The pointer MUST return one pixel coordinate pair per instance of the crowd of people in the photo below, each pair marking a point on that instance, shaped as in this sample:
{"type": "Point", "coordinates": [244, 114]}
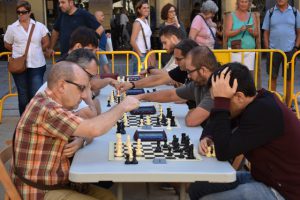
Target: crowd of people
{"type": "Point", "coordinates": [60, 116]}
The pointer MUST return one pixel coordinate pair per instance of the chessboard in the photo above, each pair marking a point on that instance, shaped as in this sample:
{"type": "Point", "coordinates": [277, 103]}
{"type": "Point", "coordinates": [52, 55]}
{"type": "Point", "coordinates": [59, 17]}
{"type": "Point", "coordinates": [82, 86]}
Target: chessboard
{"type": "Point", "coordinates": [134, 121]}
{"type": "Point", "coordinates": [148, 152]}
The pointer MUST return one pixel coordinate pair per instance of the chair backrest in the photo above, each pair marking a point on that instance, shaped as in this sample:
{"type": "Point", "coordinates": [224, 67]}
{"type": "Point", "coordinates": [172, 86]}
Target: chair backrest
{"type": "Point", "coordinates": [10, 189]}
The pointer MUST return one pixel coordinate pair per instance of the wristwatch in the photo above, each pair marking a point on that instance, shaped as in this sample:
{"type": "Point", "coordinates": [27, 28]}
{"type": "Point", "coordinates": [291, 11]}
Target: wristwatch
{"type": "Point", "coordinates": [149, 69]}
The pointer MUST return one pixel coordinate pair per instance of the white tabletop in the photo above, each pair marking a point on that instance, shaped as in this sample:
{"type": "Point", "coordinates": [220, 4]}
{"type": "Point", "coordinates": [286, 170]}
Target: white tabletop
{"type": "Point", "coordinates": [91, 163]}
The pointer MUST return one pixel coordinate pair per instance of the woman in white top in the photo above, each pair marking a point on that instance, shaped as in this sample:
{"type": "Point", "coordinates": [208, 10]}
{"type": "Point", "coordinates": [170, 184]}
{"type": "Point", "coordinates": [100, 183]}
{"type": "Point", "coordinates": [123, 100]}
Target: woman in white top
{"type": "Point", "coordinates": [15, 40]}
{"type": "Point", "coordinates": [140, 44]}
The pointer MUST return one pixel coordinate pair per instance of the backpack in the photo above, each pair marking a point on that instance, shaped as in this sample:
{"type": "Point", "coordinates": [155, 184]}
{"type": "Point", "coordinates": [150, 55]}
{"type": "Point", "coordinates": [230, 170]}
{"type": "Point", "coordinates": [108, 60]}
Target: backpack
{"type": "Point", "coordinates": [271, 11]}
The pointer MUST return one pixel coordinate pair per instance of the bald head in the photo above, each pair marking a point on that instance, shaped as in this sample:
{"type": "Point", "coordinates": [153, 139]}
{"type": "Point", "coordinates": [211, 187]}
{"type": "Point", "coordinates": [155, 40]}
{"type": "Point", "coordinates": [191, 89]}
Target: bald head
{"type": "Point", "coordinates": [99, 16]}
{"type": "Point", "coordinates": [63, 71]}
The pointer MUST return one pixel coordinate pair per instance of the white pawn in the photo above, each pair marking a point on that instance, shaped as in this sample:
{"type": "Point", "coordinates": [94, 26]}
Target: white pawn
{"type": "Point", "coordinates": [139, 152]}
{"type": "Point", "coordinates": [148, 120]}
{"type": "Point", "coordinates": [139, 144]}
{"type": "Point", "coordinates": [125, 119]}
{"type": "Point", "coordinates": [118, 79]}
{"type": "Point", "coordinates": [141, 122]}
{"type": "Point", "coordinates": [169, 124]}
{"type": "Point", "coordinates": [128, 142]}
{"type": "Point", "coordinates": [208, 154]}
{"type": "Point", "coordinates": [119, 151]}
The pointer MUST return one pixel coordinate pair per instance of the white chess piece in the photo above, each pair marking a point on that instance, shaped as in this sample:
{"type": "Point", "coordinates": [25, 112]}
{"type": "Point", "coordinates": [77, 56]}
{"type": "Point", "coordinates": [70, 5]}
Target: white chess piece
{"type": "Point", "coordinates": [139, 152]}
{"type": "Point", "coordinates": [119, 151]}
{"type": "Point", "coordinates": [139, 143]}
{"type": "Point", "coordinates": [125, 119]}
{"type": "Point", "coordinates": [148, 120]}
{"type": "Point", "coordinates": [141, 122]}
{"type": "Point", "coordinates": [119, 79]}
{"type": "Point", "coordinates": [128, 142]}
{"type": "Point", "coordinates": [169, 124]}
{"type": "Point", "coordinates": [208, 154]}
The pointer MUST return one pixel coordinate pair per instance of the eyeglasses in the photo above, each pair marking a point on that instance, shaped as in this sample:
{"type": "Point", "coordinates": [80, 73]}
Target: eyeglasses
{"type": "Point", "coordinates": [23, 12]}
{"type": "Point", "coordinates": [80, 87]}
{"type": "Point", "coordinates": [191, 71]}
{"type": "Point", "coordinates": [89, 74]}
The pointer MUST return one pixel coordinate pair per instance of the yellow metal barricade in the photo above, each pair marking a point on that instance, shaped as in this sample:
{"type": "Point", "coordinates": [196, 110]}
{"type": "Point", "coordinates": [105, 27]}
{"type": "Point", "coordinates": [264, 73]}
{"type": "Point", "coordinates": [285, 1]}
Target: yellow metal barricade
{"type": "Point", "coordinates": [224, 55]}
{"type": "Point", "coordinates": [294, 97]}
{"type": "Point", "coordinates": [158, 52]}
{"type": "Point", "coordinates": [10, 92]}
{"type": "Point", "coordinates": [113, 53]}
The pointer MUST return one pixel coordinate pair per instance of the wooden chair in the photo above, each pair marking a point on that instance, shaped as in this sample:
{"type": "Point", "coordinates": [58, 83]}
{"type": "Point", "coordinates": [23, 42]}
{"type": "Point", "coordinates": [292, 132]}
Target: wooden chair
{"type": "Point", "coordinates": [10, 189]}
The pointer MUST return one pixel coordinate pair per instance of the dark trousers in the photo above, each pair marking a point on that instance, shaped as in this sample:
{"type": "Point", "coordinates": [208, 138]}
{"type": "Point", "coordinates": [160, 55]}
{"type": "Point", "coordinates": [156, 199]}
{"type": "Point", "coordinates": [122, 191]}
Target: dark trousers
{"type": "Point", "coordinates": [27, 84]}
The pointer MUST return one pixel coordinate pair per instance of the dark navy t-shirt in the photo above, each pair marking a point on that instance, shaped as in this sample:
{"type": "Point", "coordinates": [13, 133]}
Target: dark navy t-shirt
{"type": "Point", "coordinates": [66, 24]}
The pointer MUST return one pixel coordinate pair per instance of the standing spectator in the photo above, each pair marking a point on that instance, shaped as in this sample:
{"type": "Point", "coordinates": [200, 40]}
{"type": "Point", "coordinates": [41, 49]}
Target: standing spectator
{"type": "Point", "coordinates": [69, 19]}
{"type": "Point", "coordinates": [141, 33]}
{"type": "Point", "coordinates": [115, 29]}
{"type": "Point", "coordinates": [281, 31]}
{"type": "Point", "coordinates": [15, 40]}
{"type": "Point", "coordinates": [123, 22]}
{"type": "Point", "coordinates": [169, 16]}
{"type": "Point", "coordinates": [102, 43]}
{"type": "Point", "coordinates": [203, 29]}
{"type": "Point", "coordinates": [241, 25]}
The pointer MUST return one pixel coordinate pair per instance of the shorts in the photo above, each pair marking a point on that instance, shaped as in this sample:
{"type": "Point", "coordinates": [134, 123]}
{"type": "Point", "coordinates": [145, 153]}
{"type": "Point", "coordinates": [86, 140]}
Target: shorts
{"type": "Point", "coordinates": [277, 61]}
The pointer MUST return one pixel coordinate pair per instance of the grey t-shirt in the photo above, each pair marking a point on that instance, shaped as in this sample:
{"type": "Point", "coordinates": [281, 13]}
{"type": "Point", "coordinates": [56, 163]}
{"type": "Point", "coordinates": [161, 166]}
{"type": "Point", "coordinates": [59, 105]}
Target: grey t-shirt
{"type": "Point", "coordinates": [199, 94]}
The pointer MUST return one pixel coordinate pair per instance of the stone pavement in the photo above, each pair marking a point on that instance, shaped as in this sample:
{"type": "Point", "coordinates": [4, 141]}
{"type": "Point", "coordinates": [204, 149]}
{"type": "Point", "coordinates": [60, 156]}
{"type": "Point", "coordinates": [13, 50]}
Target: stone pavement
{"type": "Point", "coordinates": [135, 191]}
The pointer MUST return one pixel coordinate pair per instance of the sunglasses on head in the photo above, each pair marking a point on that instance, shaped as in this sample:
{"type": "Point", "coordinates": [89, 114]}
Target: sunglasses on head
{"type": "Point", "coordinates": [23, 12]}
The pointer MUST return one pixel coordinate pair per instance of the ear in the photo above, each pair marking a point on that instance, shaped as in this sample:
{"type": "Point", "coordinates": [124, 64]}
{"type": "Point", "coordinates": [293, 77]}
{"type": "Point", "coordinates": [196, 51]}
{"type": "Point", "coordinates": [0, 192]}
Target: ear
{"type": "Point", "coordinates": [77, 46]}
{"type": "Point", "coordinates": [240, 97]}
{"type": "Point", "coordinates": [61, 86]}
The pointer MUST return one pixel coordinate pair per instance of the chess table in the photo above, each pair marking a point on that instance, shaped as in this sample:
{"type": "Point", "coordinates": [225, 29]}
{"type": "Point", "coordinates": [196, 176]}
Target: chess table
{"type": "Point", "coordinates": [92, 163]}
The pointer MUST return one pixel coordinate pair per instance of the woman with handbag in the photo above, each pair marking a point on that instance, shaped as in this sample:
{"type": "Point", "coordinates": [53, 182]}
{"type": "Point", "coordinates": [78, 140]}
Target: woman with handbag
{"type": "Point", "coordinates": [26, 38]}
{"type": "Point", "coordinates": [141, 33]}
{"type": "Point", "coordinates": [203, 29]}
{"type": "Point", "coordinates": [241, 31]}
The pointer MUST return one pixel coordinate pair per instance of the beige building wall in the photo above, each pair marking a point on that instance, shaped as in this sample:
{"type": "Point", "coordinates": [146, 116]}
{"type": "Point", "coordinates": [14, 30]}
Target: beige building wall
{"type": "Point", "coordinates": [228, 5]}
{"type": "Point", "coordinates": [7, 13]}
{"type": "Point", "coordinates": [39, 10]}
{"type": "Point", "coordinates": [105, 6]}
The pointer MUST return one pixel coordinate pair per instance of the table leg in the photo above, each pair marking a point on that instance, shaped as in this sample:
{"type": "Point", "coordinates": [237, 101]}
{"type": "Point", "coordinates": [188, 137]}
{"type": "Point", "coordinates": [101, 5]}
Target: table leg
{"type": "Point", "coordinates": [182, 191]}
{"type": "Point", "coordinates": [120, 191]}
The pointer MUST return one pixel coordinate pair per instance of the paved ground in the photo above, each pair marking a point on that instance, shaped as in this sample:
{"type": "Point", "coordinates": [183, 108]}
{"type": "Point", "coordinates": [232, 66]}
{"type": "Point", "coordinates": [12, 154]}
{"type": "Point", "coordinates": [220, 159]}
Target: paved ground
{"type": "Point", "coordinates": [132, 191]}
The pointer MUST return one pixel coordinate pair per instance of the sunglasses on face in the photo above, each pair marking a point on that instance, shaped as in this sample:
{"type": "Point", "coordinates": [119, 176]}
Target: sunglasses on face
{"type": "Point", "coordinates": [80, 87]}
{"type": "Point", "coordinates": [23, 12]}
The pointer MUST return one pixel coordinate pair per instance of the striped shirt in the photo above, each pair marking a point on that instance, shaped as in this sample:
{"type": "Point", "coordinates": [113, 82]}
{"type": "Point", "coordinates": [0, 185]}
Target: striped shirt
{"type": "Point", "coordinates": [42, 132]}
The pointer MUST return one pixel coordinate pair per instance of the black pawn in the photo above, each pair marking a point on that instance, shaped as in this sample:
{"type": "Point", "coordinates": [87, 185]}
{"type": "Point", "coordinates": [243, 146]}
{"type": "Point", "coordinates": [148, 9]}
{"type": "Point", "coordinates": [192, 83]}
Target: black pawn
{"type": "Point", "coordinates": [165, 146]}
{"type": "Point", "coordinates": [169, 153]}
{"type": "Point", "coordinates": [108, 103]}
{"type": "Point", "coordinates": [148, 91]}
{"type": "Point", "coordinates": [122, 128]}
{"type": "Point", "coordinates": [154, 90]}
{"type": "Point", "coordinates": [127, 161]}
{"type": "Point", "coordinates": [181, 155]}
{"type": "Point", "coordinates": [183, 136]}
{"type": "Point", "coordinates": [157, 121]}
{"type": "Point", "coordinates": [119, 99]}
{"type": "Point", "coordinates": [191, 152]}
{"type": "Point", "coordinates": [118, 127]}
{"type": "Point", "coordinates": [158, 148]}
{"type": "Point", "coordinates": [173, 121]}
{"type": "Point", "coordinates": [164, 120]}
{"type": "Point", "coordinates": [169, 113]}
{"type": "Point", "coordinates": [134, 160]}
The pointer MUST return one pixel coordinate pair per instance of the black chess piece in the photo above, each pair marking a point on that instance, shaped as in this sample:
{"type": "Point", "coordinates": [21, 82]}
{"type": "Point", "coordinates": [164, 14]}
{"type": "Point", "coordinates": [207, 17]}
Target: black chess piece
{"type": "Point", "coordinates": [127, 161]}
{"type": "Point", "coordinates": [183, 137]}
{"type": "Point", "coordinates": [164, 120]}
{"type": "Point", "coordinates": [154, 90]}
{"type": "Point", "coordinates": [173, 123]}
{"type": "Point", "coordinates": [187, 143]}
{"type": "Point", "coordinates": [108, 103]}
{"type": "Point", "coordinates": [158, 148]}
{"type": "Point", "coordinates": [191, 152]}
{"type": "Point", "coordinates": [134, 160]}
{"type": "Point", "coordinates": [174, 140]}
{"type": "Point", "coordinates": [169, 154]}
{"type": "Point", "coordinates": [148, 91]}
{"type": "Point", "coordinates": [119, 99]}
{"type": "Point", "coordinates": [157, 121]}
{"type": "Point", "coordinates": [165, 146]}
{"type": "Point", "coordinates": [141, 116]}
{"type": "Point", "coordinates": [169, 113]}
{"type": "Point", "coordinates": [181, 155]}
{"type": "Point", "coordinates": [118, 127]}
{"type": "Point", "coordinates": [122, 128]}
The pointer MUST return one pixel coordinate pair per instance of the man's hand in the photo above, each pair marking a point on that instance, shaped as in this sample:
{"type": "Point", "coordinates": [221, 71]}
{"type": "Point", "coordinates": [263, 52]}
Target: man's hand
{"type": "Point", "coordinates": [143, 73]}
{"type": "Point", "coordinates": [221, 87]}
{"type": "Point", "coordinates": [123, 86]}
{"type": "Point", "coordinates": [113, 83]}
{"type": "Point", "coordinates": [71, 148]}
{"type": "Point", "coordinates": [204, 143]}
{"type": "Point", "coordinates": [49, 53]}
{"type": "Point", "coordinates": [130, 103]}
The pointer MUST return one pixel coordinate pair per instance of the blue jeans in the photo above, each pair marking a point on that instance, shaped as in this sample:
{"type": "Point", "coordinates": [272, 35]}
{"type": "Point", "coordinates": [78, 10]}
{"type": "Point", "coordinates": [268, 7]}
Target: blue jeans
{"type": "Point", "coordinates": [244, 188]}
{"type": "Point", "coordinates": [27, 84]}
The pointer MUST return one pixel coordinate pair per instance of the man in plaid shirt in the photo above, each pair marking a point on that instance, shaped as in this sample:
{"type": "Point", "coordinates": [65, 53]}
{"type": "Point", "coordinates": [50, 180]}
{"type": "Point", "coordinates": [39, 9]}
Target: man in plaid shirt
{"type": "Point", "coordinates": [40, 168]}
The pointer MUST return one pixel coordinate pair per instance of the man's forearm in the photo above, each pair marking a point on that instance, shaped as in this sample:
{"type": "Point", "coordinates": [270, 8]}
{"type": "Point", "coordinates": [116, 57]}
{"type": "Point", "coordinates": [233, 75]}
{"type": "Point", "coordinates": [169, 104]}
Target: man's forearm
{"type": "Point", "coordinates": [54, 38]}
{"type": "Point", "coordinates": [161, 96]}
{"type": "Point", "coordinates": [152, 81]}
{"type": "Point", "coordinates": [98, 84]}
{"type": "Point", "coordinates": [266, 39]}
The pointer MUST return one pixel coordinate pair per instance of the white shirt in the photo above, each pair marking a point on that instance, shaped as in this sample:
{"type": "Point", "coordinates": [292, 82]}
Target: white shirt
{"type": "Point", "coordinates": [81, 105]}
{"type": "Point", "coordinates": [17, 36]}
{"type": "Point", "coordinates": [140, 39]}
{"type": "Point", "coordinates": [123, 19]}
{"type": "Point", "coordinates": [171, 64]}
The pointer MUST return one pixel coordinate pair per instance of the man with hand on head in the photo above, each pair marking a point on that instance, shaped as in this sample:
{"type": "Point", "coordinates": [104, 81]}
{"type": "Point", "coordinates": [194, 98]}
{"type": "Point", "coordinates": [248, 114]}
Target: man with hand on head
{"type": "Point", "coordinates": [201, 63]}
{"type": "Point", "coordinates": [258, 125]}
{"type": "Point", "coordinates": [40, 169]}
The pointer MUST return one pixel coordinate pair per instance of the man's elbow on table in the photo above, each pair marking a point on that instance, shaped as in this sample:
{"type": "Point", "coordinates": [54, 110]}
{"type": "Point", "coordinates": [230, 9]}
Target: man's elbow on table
{"type": "Point", "coordinates": [196, 116]}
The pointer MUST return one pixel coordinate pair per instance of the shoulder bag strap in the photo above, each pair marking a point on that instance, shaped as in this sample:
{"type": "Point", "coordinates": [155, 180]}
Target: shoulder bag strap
{"type": "Point", "coordinates": [247, 23]}
{"type": "Point", "coordinates": [212, 33]}
{"type": "Point", "coordinates": [29, 39]}
{"type": "Point", "coordinates": [143, 35]}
